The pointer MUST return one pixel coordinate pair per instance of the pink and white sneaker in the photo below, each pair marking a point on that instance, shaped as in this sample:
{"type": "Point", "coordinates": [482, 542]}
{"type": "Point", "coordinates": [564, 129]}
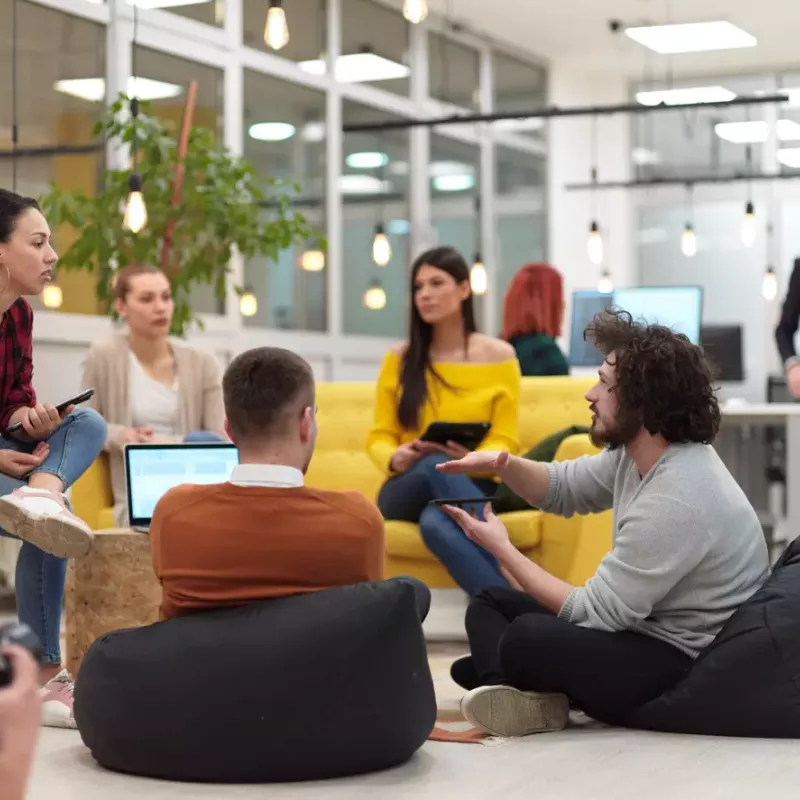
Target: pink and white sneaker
{"type": "Point", "coordinates": [57, 702]}
{"type": "Point", "coordinates": [43, 518]}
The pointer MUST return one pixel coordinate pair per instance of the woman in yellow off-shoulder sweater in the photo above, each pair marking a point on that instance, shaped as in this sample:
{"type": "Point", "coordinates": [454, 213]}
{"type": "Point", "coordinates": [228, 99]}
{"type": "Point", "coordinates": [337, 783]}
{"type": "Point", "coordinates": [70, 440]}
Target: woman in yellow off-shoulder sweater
{"type": "Point", "coordinates": [445, 372]}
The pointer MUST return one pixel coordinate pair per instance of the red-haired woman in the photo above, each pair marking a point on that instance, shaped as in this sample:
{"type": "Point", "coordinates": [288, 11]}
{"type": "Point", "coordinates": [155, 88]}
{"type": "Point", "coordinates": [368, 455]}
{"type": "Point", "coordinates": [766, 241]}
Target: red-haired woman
{"type": "Point", "coordinates": [533, 312]}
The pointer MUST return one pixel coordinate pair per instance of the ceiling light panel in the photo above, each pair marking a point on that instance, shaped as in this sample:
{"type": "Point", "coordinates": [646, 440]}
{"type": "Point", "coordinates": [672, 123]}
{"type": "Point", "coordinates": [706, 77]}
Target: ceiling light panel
{"type": "Point", "coordinates": [692, 37]}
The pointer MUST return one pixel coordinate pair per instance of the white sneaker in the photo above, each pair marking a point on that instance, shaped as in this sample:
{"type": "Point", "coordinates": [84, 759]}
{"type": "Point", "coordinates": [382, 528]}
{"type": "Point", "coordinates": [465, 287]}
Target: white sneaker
{"type": "Point", "coordinates": [57, 702]}
{"type": "Point", "coordinates": [43, 518]}
{"type": "Point", "coordinates": [503, 711]}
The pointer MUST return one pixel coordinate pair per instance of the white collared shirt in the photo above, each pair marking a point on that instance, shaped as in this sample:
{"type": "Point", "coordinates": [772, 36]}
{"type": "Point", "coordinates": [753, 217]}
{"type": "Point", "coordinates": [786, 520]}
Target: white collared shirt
{"type": "Point", "coordinates": [275, 475]}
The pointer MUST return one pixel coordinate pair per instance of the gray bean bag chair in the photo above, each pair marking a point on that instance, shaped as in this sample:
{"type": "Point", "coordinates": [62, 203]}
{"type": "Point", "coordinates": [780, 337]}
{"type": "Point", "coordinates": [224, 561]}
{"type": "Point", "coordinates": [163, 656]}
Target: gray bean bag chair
{"type": "Point", "coordinates": [307, 687]}
{"type": "Point", "coordinates": [747, 682]}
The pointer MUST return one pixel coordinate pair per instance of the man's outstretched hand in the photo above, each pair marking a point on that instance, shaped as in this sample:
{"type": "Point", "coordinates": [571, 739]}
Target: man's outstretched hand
{"type": "Point", "coordinates": [482, 462]}
{"type": "Point", "coordinates": [491, 534]}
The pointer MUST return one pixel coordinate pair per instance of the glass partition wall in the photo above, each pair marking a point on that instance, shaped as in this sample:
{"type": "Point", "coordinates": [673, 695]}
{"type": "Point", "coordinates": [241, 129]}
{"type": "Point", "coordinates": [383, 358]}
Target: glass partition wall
{"type": "Point", "coordinates": [478, 189]}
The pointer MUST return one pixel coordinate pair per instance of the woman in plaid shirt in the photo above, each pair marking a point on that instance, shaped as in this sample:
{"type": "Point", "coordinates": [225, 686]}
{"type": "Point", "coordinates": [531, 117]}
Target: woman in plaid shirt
{"type": "Point", "coordinates": [42, 459]}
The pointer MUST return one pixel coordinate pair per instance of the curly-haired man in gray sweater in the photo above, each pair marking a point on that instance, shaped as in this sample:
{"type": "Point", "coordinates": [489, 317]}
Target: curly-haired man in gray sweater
{"type": "Point", "coordinates": [687, 549]}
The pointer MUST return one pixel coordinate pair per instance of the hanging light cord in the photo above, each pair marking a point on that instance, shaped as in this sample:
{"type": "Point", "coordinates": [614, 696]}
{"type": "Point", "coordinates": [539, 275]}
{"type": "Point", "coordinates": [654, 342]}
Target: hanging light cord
{"type": "Point", "coordinates": [593, 135]}
{"type": "Point", "coordinates": [134, 99]}
{"type": "Point", "coordinates": [14, 121]}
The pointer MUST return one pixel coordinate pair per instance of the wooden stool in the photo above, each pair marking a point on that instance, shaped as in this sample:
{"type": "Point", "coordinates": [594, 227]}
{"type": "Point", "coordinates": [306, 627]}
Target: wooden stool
{"type": "Point", "coordinates": [112, 587]}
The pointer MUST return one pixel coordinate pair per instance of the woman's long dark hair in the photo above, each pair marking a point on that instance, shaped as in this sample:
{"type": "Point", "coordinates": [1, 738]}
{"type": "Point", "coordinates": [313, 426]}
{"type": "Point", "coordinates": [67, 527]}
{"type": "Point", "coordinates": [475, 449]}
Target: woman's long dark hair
{"type": "Point", "coordinates": [417, 360]}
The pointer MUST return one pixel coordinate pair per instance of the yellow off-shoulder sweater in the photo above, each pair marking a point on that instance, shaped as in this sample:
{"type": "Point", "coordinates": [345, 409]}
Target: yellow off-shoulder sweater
{"type": "Point", "coordinates": [481, 392]}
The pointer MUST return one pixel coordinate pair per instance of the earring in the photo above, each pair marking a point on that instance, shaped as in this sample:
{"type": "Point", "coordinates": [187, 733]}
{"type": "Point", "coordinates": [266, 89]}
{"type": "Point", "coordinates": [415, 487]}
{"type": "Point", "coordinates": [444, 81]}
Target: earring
{"type": "Point", "coordinates": [8, 277]}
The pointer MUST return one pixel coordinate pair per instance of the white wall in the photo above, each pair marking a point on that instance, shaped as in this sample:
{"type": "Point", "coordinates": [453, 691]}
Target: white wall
{"type": "Point", "coordinates": [570, 150]}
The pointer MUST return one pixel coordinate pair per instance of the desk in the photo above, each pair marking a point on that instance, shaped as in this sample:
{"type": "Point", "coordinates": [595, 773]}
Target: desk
{"type": "Point", "coordinates": [786, 415]}
{"type": "Point", "coordinates": [110, 588]}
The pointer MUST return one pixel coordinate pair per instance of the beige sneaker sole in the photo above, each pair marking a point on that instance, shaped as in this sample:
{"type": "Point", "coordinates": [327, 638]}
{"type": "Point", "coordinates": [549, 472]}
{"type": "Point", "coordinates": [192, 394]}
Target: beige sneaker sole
{"type": "Point", "coordinates": [55, 534]}
{"type": "Point", "coordinates": [503, 711]}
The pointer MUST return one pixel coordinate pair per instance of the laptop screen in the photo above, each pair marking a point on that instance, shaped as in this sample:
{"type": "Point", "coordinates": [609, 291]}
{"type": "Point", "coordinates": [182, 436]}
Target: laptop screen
{"type": "Point", "coordinates": [153, 469]}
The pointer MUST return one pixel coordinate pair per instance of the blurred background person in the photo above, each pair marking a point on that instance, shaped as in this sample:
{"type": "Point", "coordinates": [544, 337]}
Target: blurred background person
{"type": "Point", "coordinates": [533, 313]}
{"type": "Point", "coordinates": [149, 387]}
{"type": "Point", "coordinates": [786, 330]}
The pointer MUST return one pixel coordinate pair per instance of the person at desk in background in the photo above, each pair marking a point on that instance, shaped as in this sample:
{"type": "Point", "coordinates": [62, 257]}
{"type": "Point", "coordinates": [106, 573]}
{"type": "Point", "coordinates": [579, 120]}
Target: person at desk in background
{"type": "Point", "coordinates": [446, 372]}
{"type": "Point", "coordinates": [264, 533]}
{"type": "Point", "coordinates": [44, 458]}
{"type": "Point", "coordinates": [149, 387]}
{"type": "Point", "coordinates": [533, 313]}
{"type": "Point", "coordinates": [786, 330]}
{"type": "Point", "coordinates": [687, 548]}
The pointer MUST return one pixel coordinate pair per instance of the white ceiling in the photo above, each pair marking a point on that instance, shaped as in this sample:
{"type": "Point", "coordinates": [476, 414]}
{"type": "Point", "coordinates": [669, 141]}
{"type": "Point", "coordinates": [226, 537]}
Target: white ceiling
{"type": "Point", "coordinates": [576, 32]}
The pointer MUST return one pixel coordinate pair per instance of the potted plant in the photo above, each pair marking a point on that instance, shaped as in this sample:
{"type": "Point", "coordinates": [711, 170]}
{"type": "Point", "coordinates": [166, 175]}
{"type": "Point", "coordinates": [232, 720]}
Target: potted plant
{"type": "Point", "coordinates": [220, 207]}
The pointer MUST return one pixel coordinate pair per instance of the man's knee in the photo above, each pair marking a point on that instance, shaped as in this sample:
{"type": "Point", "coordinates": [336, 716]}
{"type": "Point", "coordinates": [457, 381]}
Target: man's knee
{"type": "Point", "coordinates": [495, 597]}
{"type": "Point", "coordinates": [528, 647]}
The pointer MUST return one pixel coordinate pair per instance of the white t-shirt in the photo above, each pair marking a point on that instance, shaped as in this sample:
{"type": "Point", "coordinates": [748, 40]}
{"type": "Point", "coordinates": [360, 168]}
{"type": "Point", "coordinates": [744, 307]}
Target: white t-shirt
{"type": "Point", "coordinates": [152, 403]}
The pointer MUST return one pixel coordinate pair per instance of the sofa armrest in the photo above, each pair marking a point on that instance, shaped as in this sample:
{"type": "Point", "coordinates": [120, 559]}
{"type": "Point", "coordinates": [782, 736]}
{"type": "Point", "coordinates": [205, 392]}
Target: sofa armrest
{"type": "Point", "coordinates": [571, 549]}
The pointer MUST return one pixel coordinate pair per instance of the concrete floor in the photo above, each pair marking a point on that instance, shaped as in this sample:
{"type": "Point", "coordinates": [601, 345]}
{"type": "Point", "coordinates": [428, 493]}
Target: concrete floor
{"type": "Point", "coordinates": [585, 762]}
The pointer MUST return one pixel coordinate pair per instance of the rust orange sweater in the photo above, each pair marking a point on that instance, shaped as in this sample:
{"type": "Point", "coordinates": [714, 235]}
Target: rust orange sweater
{"type": "Point", "coordinates": [225, 545]}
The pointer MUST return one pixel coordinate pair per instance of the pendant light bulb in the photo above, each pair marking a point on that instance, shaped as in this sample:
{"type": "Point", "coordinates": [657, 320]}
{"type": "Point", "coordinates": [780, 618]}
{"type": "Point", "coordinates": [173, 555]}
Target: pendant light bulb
{"type": "Point", "coordinates": [478, 280]}
{"type": "Point", "coordinates": [276, 30]}
{"type": "Point", "coordinates": [749, 226]}
{"type": "Point", "coordinates": [769, 286]}
{"type": "Point", "coordinates": [605, 284]}
{"type": "Point", "coordinates": [375, 296]}
{"type": "Point", "coordinates": [594, 246]}
{"type": "Point", "coordinates": [52, 296]}
{"type": "Point", "coordinates": [313, 260]}
{"type": "Point", "coordinates": [381, 249]}
{"type": "Point", "coordinates": [689, 241]}
{"type": "Point", "coordinates": [135, 217]}
{"type": "Point", "coordinates": [248, 303]}
{"type": "Point", "coordinates": [415, 11]}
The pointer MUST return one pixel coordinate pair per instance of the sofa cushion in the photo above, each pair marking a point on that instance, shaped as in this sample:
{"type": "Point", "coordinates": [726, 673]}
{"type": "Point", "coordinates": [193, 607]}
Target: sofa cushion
{"type": "Point", "coordinates": [747, 682]}
{"type": "Point", "coordinates": [105, 519]}
{"type": "Point", "coordinates": [308, 687]}
{"type": "Point", "coordinates": [403, 539]}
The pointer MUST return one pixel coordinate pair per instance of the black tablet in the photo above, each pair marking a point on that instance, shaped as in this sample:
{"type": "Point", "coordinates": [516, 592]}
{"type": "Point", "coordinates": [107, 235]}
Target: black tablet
{"type": "Point", "coordinates": [467, 434]}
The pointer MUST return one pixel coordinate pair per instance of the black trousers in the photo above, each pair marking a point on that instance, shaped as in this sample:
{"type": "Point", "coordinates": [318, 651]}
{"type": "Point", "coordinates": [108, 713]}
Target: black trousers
{"type": "Point", "coordinates": [515, 641]}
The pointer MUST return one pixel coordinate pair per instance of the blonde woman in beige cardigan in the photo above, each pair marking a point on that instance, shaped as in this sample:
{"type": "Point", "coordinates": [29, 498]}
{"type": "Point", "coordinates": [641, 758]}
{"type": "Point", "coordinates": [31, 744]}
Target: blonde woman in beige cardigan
{"type": "Point", "coordinates": [151, 388]}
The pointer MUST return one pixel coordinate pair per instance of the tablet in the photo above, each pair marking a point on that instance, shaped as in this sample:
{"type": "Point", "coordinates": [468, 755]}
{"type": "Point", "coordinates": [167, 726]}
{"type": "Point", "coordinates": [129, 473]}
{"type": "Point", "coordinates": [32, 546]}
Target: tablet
{"type": "Point", "coordinates": [467, 434]}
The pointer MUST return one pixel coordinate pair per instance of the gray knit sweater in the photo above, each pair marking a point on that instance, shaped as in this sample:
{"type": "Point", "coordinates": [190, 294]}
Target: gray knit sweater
{"type": "Point", "coordinates": [687, 551]}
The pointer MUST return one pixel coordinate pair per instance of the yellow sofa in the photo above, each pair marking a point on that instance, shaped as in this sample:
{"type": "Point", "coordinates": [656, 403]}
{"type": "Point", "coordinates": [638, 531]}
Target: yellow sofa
{"type": "Point", "coordinates": [570, 549]}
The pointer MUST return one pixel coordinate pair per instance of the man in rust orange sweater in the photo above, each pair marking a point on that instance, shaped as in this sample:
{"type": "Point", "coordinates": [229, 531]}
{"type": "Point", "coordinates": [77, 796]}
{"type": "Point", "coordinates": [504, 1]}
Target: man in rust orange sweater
{"type": "Point", "coordinates": [264, 534]}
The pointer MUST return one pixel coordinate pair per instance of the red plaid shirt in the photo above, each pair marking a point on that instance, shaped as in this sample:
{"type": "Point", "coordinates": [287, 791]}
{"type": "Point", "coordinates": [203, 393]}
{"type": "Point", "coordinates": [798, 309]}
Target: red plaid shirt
{"type": "Point", "coordinates": [16, 363]}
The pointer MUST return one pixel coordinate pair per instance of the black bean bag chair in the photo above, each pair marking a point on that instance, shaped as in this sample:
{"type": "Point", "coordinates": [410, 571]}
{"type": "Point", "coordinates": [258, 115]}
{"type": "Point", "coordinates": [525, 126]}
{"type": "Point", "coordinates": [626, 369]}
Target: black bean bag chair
{"type": "Point", "coordinates": [747, 682]}
{"type": "Point", "coordinates": [306, 687]}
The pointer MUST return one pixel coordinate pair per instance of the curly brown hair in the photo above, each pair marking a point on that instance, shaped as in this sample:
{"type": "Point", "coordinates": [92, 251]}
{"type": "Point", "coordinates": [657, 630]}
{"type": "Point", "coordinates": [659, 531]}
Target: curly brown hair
{"type": "Point", "coordinates": [664, 383]}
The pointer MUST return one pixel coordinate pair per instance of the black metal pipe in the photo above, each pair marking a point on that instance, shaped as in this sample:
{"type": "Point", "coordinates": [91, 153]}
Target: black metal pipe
{"type": "Point", "coordinates": [651, 183]}
{"type": "Point", "coordinates": [52, 150]}
{"type": "Point", "coordinates": [548, 112]}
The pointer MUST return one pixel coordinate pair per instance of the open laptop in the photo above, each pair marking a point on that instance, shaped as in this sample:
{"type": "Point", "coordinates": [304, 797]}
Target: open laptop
{"type": "Point", "coordinates": [153, 469]}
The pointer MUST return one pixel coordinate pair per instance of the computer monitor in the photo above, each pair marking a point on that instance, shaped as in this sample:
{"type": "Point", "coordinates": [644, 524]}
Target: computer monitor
{"type": "Point", "coordinates": [678, 307]}
{"type": "Point", "coordinates": [723, 347]}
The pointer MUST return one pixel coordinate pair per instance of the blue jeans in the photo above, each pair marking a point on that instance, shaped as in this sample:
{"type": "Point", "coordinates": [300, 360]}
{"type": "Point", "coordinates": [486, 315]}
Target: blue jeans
{"type": "Point", "coordinates": [40, 577]}
{"type": "Point", "coordinates": [407, 496]}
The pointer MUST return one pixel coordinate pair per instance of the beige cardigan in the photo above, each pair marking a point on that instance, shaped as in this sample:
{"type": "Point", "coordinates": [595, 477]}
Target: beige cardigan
{"type": "Point", "coordinates": [200, 407]}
